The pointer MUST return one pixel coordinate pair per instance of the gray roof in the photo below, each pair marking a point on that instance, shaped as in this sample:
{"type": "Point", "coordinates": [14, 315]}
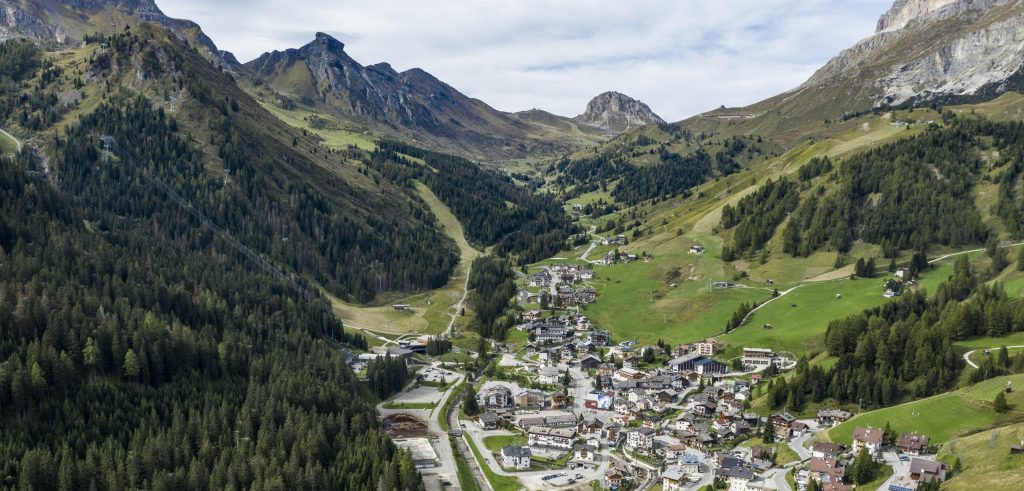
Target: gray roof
{"type": "Point", "coordinates": [516, 451]}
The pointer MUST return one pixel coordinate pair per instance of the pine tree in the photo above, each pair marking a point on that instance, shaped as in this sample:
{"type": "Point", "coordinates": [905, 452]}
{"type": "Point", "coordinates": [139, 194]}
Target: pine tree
{"type": "Point", "coordinates": [131, 364]}
{"type": "Point", "coordinates": [864, 468]}
{"type": "Point", "coordinates": [999, 405]}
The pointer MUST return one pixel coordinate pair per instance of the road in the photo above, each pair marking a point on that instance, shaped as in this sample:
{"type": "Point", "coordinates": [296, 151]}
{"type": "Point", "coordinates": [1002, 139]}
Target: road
{"type": "Point", "coordinates": [947, 256]}
{"type": "Point", "coordinates": [778, 479]}
{"type": "Point", "coordinates": [899, 469]}
{"type": "Point", "coordinates": [458, 306]}
{"type": "Point", "coordinates": [967, 355]}
{"type": "Point", "coordinates": [770, 300]}
{"type": "Point", "coordinates": [16, 141]}
{"type": "Point", "coordinates": [438, 439]}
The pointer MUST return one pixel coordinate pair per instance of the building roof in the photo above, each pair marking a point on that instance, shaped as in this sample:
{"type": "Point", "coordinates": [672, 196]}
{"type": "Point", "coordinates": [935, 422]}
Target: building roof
{"type": "Point", "coordinates": [516, 451]}
{"type": "Point", "coordinates": [868, 435]}
{"type": "Point", "coordinates": [913, 441]}
{"type": "Point", "coordinates": [555, 432]}
{"type": "Point", "coordinates": [735, 472]}
{"type": "Point", "coordinates": [674, 474]}
{"type": "Point", "coordinates": [827, 448]}
{"type": "Point", "coordinates": [925, 466]}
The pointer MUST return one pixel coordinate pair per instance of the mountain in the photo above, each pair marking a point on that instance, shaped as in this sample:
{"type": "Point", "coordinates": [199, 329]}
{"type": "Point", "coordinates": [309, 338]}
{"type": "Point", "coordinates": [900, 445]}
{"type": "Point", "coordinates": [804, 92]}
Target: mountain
{"type": "Point", "coordinates": [614, 114]}
{"type": "Point", "coordinates": [923, 52]}
{"type": "Point", "coordinates": [67, 22]}
{"type": "Point", "coordinates": [412, 104]}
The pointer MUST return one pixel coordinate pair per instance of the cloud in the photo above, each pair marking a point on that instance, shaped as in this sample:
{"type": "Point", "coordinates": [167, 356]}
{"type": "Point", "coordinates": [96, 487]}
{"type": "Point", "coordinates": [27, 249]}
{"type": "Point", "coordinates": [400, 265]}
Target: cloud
{"type": "Point", "coordinates": [682, 57]}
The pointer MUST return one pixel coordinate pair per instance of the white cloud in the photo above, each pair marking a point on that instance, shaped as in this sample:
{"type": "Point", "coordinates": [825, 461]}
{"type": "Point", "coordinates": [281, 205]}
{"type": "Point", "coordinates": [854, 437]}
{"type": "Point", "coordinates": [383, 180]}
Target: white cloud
{"type": "Point", "coordinates": [682, 57]}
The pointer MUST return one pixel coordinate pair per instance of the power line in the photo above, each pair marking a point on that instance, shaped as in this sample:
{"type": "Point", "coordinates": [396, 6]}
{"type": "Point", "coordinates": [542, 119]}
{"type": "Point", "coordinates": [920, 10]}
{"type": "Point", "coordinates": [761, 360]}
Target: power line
{"type": "Point", "coordinates": [109, 142]}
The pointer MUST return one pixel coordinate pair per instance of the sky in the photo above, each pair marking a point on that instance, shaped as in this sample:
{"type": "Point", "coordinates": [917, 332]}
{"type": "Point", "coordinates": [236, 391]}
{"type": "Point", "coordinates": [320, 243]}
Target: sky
{"type": "Point", "coordinates": [681, 57]}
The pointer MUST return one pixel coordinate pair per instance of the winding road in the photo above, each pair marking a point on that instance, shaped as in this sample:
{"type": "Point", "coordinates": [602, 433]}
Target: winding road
{"type": "Point", "coordinates": [967, 355]}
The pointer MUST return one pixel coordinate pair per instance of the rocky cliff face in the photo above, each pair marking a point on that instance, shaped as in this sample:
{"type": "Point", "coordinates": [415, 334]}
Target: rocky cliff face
{"type": "Point", "coordinates": [904, 11]}
{"type": "Point", "coordinates": [412, 104]}
{"type": "Point", "coordinates": [932, 49]}
{"type": "Point", "coordinates": [68, 21]}
{"type": "Point", "coordinates": [614, 113]}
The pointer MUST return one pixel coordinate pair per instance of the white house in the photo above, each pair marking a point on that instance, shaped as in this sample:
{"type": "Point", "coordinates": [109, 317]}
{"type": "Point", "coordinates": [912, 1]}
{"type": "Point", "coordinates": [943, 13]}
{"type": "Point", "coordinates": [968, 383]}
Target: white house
{"type": "Point", "coordinates": [516, 457]}
{"type": "Point", "coordinates": [673, 478]}
{"type": "Point", "coordinates": [640, 438]}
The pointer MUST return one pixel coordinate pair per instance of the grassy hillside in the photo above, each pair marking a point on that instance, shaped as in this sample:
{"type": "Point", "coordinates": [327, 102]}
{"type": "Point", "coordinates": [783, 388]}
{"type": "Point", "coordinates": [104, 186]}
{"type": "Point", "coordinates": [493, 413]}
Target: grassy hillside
{"type": "Point", "coordinates": [986, 460]}
{"type": "Point", "coordinates": [944, 416]}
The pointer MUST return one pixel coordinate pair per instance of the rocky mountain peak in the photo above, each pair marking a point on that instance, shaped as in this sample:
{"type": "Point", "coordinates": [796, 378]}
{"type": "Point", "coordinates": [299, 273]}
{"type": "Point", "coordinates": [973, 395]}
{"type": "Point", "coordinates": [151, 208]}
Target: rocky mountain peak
{"type": "Point", "coordinates": [329, 42]}
{"type": "Point", "coordinates": [616, 113]}
{"type": "Point", "coordinates": [903, 12]}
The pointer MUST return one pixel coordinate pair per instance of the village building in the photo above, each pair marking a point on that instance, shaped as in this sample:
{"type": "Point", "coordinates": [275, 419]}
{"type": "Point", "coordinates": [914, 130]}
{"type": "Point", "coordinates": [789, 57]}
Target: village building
{"type": "Point", "coordinates": [557, 438]}
{"type": "Point", "coordinates": [757, 357]}
{"type": "Point", "coordinates": [673, 478]}
{"type": "Point", "coordinates": [924, 470]}
{"type": "Point", "coordinates": [640, 439]}
{"type": "Point", "coordinates": [871, 438]}
{"type": "Point", "coordinates": [826, 450]}
{"type": "Point", "coordinates": [496, 397]}
{"type": "Point", "coordinates": [832, 417]}
{"type": "Point", "coordinates": [516, 457]}
{"type": "Point", "coordinates": [708, 347]}
{"type": "Point", "coordinates": [913, 443]}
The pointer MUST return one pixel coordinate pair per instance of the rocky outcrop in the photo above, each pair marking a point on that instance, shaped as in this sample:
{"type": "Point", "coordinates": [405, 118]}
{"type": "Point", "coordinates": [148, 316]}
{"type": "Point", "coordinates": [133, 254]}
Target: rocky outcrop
{"type": "Point", "coordinates": [68, 21]}
{"type": "Point", "coordinates": [931, 49]}
{"type": "Point", "coordinates": [614, 113]}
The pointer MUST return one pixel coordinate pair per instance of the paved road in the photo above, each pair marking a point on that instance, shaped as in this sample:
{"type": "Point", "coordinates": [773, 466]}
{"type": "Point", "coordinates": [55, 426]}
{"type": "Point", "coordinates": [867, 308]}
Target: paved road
{"type": "Point", "coordinates": [778, 478]}
{"type": "Point", "coordinates": [967, 355]}
{"type": "Point", "coordinates": [899, 469]}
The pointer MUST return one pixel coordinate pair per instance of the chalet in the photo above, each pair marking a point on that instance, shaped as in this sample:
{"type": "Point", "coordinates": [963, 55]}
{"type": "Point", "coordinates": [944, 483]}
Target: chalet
{"type": "Point", "coordinates": [558, 438]}
{"type": "Point", "coordinates": [672, 451]}
{"type": "Point", "coordinates": [559, 401]}
{"type": "Point", "coordinates": [826, 450]}
{"type": "Point", "coordinates": [697, 249]}
{"type": "Point", "coordinates": [586, 295]}
{"type": "Point", "coordinates": [600, 338]}
{"type": "Point", "coordinates": [832, 417]}
{"type": "Point", "coordinates": [924, 470]}
{"type": "Point", "coordinates": [488, 421]}
{"type": "Point", "coordinates": [562, 420]}
{"type": "Point", "coordinates": [737, 477]}
{"type": "Point", "coordinates": [673, 478]}
{"type": "Point", "coordinates": [762, 452]}
{"type": "Point", "coordinates": [547, 332]}
{"type": "Point", "coordinates": [549, 376]}
{"type": "Point", "coordinates": [540, 280]}
{"type": "Point", "coordinates": [613, 478]}
{"type": "Point", "coordinates": [870, 438]}
{"type": "Point", "coordinates": [629, 374]}
{"type": "Point", "coordinates": [640, 438]}
{"type": "Point", "coordinates": [913, 443]}
{"type": "Point", "coordinates": [531, 316]}
{"type": "Point", "coordinates": [516, 457]}
{"type": "Point", "coordinates": [783, 425]}
{"type": "Point", "coordinates": [826, 471]}
{"type": "Point", "coordinates": [799, 428]}
{"type": "Point", "coordinates": [590, 362]}
{"type": "Point", "coordinates": [610, 433]}
{"type": "Point", "coordinates": [590, 427]}
{"type": "Point", "coordinates": [584, 453]}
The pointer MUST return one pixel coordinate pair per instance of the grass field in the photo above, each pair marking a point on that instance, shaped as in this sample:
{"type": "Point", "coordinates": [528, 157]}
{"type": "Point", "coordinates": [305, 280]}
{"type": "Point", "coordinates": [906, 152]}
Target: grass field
{"type": "Point", "coordinates": [987, 463]}
{"type": "Point", "coordinates": [430, 312]}
{"type": "Point", "coordinates": [496, 443]}
{"type": "Point", "coordinates": [943, 416]}
{"type": "Point", "coordinates": [334, 133]}
{"type": "Point", "coordinates": [783, 454]}
{"type": "Point", "coordinates": [499, 483]}
{"type": "Point", "coordinates": [1015, 339]}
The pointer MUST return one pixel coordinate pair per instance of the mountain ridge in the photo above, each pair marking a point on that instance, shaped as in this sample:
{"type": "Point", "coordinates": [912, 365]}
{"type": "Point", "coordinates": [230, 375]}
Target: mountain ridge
{"type": "Point", "coordinates": [615, 113]}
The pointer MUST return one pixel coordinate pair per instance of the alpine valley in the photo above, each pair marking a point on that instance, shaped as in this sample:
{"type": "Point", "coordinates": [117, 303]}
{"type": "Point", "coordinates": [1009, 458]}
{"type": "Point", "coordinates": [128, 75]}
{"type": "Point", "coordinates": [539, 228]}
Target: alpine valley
{"type": "Point", "coordinates": [303, 272]}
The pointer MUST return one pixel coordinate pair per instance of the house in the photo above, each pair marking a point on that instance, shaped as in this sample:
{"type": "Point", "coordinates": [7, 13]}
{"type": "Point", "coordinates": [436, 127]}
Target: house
{"type": "Point", "coordinates": [832, 417]}
{"type": "Point", "coordinates": [690, 465]}
{"type": "Point", "coordinates": [613, 478]}
{"type": "Point", "coordinates": [496, 397]}
{"type": "Point", "coordinates": [673, 478]}
{"type": "Point", "coordinates": [799, 428]}
{"type": "Point", "coordinates": [757, 357]}
{"type": "Point", "coordinates": [558, 438]}
{"type": "Point", "coordinates": [826, 450]}
{"type": "Point", "coordinates": [640, 438]}
{"type": "Point", "coordinates": [737, 477]}
{"type": "Point", "coordinates": [584, 453]}
{"type": "Point", "coordinates": [697, 249]}
{"type": "Point", "coordinates": [871, 438]}
{"type": "Point", "coordinates": [927, 470]}
{"type": "Point", "coordinates": [549, 376]}
{"type": "Point", "coordinates": [516, 457]}
{"type": "Point", "coordinates": [913, 443]}
{"type": "Point", "coordinates": [783, 425]}
{"type": "Point", "coordinates": [590, 362]}
{"type": "Point", "coordinates": [708, 347]}
{"type": "Point", "coordinates": [488, 421]}
{"type": "Point", "coordinates": [559, 401]}
{"type": "Point", "coordinates": [530, 398]}
{"type": "Point", "coordinates": [826, 471]}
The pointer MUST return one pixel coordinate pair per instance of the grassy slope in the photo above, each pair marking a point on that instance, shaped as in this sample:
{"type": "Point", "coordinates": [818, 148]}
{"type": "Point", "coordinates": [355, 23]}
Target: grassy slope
{"type": "Point", "coordinates": [986, 465]}
{"type": "Point", "coordinates": [430, 310]}
{"type": "Point", "coordinates": [7, 145]}
{"type": "Point", "coordinates": [943, 416]}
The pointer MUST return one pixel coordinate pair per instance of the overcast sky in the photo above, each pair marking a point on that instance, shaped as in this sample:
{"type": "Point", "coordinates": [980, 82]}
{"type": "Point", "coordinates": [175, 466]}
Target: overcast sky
{"type": "Point", "coordinates": [682, 57]}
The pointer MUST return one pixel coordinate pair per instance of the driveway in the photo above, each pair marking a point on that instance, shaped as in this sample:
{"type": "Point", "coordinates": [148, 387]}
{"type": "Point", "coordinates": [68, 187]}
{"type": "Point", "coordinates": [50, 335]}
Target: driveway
{"type": "Point", "coordinates": [899, 469]}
